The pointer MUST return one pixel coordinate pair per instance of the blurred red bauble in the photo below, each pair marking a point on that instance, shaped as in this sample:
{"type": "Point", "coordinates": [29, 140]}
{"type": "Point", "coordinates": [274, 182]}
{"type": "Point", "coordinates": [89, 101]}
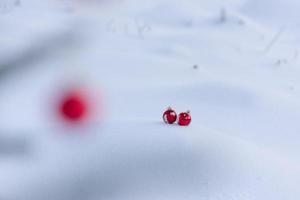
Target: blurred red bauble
{"type": "Point", "coordinates": [184, 119]}
{"type": "Point", "coordinates": [74, 107]}
{"type": "Point", "coordinates": [169, 116]}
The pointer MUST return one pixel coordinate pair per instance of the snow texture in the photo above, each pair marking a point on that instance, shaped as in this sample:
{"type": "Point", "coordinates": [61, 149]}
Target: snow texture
{"type": "Point", "coordinates": [137, 58]}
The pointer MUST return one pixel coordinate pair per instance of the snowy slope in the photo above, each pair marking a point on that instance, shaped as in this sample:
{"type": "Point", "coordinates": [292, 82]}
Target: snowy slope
{"type": "Point", "coordinates": [243, 142]}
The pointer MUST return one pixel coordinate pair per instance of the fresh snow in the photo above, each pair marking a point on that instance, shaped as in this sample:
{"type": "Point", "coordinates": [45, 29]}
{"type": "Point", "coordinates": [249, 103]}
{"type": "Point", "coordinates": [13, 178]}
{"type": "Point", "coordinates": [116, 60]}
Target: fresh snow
{"type": "Point", "coordinates": [136, 58]}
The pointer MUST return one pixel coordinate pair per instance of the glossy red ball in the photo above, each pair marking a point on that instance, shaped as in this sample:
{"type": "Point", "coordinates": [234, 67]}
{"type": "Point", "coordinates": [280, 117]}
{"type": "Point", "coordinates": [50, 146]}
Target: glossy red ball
{"type": "Point", "coordinates": [184, 119]}
{"type": "Point", "coordinates": [74, 107]}
{"type": "Point", "coordinates": [169, 116]}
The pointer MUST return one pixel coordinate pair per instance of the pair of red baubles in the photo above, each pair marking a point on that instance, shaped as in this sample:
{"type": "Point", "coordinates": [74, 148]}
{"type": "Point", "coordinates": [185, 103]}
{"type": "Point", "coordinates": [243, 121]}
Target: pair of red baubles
{"type": "Point", "coordinates": [170, 117]}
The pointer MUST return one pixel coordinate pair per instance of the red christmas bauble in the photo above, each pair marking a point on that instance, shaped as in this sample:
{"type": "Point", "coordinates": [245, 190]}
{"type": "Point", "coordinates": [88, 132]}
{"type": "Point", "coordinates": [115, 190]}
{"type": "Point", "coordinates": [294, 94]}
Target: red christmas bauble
{"type": "Point", "coordinates": [169, 116]}
{"type": "Point", "coordinates": [184, 119]}
{"type": "Point", "coordinates": [74, 107]}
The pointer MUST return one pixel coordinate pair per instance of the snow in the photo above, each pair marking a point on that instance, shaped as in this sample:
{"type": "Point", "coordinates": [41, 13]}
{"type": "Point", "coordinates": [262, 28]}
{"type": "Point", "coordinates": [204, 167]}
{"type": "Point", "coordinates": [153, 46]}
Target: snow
{"type": "Point", "coordinates": [136, 58]}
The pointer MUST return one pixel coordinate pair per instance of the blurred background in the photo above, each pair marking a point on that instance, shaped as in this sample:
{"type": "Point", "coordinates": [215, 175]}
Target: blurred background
{"type": "Point", "coordinates": [84, 85]}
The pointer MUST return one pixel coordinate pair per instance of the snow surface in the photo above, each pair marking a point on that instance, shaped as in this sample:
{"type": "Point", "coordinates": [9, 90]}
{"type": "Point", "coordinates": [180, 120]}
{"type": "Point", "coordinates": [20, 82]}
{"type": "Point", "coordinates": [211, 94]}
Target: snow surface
{"type": "Point", "coordinates": [137, 58]}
